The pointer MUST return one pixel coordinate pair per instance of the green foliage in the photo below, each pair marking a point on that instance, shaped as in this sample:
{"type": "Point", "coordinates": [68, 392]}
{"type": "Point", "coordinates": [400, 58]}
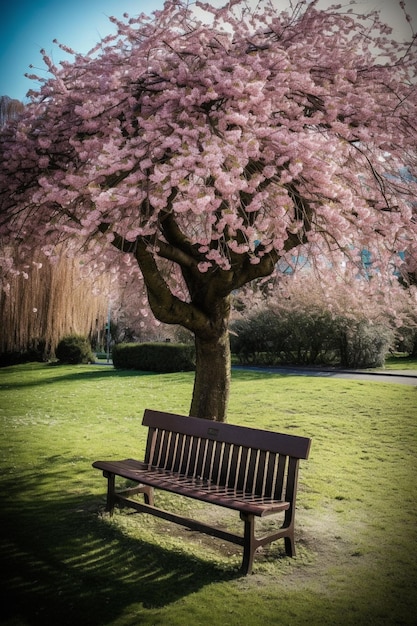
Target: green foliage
{"type": "Point", "coordinates": [363, 344]}
{"type": "Point", "coordinates": [400, 361]}
{"type": "Point", "coordinates": [74, 349]}
{"type": "Point", "coordinates": [309, 337]}
{"type": "Point", "coordinates": [407, 341]}
{"type": "Point", "coordinates": [269, 337]}
{"type": "Point", "coordinates": [154, 357]}
{"type": "Point", "coordinates": [257, 339]}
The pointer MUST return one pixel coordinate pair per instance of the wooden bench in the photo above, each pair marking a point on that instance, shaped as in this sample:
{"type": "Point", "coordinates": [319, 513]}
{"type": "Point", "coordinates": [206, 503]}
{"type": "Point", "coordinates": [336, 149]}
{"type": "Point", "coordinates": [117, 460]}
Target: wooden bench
{"type": "Point", "coordinates": [248, 470]}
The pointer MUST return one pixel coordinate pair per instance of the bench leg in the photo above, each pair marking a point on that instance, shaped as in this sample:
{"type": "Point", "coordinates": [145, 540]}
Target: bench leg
{"type": "Point", "coordinates": [110, 492]}
{"type": "Point", "coordinates": [250, 544]}
{"type": "Point", "coordinates": [289, 531]}
{"type": "Point", "coordinates": [290, 544]}
{"type": "Point", "coordinates": [147, 493]}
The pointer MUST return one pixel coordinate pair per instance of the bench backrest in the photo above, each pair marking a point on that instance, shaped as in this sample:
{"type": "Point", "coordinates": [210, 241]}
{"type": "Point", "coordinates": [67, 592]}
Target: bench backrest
{"type": "Point", "coordinates": [256, 461]}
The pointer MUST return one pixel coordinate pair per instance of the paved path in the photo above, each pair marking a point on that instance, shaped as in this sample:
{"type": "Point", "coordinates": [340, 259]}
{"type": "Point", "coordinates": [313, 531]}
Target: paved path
{"type": "Point", "coordinates": [400, 377]}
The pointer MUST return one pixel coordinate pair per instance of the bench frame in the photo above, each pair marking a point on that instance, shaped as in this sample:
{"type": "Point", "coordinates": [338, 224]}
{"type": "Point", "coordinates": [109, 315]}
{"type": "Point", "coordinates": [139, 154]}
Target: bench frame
{"type": "Point", "coordinates": [252, 471]}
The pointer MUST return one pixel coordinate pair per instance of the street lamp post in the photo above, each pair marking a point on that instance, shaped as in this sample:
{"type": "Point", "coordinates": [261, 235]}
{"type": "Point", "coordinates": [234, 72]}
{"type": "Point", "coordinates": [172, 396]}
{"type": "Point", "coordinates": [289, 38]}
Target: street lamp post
{"type": "Point", "coordinates": [108, 333]}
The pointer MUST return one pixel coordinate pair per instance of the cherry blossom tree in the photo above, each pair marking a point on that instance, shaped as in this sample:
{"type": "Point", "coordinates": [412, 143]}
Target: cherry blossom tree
{"type": "Point", "coordinates": [204, 147]}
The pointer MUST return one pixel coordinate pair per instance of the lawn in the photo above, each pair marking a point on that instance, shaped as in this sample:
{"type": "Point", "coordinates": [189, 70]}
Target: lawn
{"type": "Point", "coordinates": [400, 361]}
{"type": "Point", "coordinates": [65, 562]}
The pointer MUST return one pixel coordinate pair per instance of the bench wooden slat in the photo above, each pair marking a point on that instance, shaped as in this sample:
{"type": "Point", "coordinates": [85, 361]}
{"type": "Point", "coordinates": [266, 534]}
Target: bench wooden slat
{"type": "Point", "coordinates": [223, 473]}
{"type": "Point", "coordinates": [251, 465]}
{"type": "Point", "coordinates": [261, 472]}
{"type": "Point", "coordinates": [270, 473]}
{"type": "Point", "coordinates": [233, 466]}
{"type": "Point", "coordinates": [280, 476]}
{"type": "Point", "coordinates": [179, 452]}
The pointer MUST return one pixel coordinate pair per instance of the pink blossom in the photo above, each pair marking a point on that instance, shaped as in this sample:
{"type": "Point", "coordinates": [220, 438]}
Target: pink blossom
{"type": "Point", "coordinates": [203, 267]}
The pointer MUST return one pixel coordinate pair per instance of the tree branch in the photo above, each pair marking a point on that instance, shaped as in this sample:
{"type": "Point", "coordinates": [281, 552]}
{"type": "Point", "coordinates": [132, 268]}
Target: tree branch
{"type": "Point", "coordinates": [165, 306]}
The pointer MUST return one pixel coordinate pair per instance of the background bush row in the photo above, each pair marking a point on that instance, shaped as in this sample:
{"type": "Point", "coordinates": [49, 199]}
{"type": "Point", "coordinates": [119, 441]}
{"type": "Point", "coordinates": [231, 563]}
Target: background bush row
{"type": "Point", "coordinates": [309, 338]}
{"type": "Point", "coordinates": [267, 337]}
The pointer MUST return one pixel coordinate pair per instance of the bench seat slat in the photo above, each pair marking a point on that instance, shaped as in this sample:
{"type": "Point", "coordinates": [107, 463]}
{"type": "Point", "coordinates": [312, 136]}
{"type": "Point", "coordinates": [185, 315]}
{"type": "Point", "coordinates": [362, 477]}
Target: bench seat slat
{"type": "Point", "coordinates": [193, 487]}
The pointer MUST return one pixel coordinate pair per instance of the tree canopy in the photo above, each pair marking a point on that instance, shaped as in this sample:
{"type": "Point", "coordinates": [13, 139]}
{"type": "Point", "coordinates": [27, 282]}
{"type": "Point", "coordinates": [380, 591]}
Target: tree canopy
{"type": "Point", "coordinates": [202, 146]}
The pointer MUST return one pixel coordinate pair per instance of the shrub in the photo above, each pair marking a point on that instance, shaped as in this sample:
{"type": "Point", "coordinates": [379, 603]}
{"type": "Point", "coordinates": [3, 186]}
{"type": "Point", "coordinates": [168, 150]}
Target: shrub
{"type": "Point", "coordinates": [74, 349]}
{"type": "Point", "coordinates": [270, 337]}
{"type": "Point", "coordinates": [407, 340]}
{"type": "Point", "coordinates": [309, 337]}
{"type": "Point", "coordinates": [257, 339]}
{"type": "Point", "coordinates": [33, 353]}
{"type": "Point", "coordinates": [154, 357]}
{"type": "Point", "coordinates": [363, 344]}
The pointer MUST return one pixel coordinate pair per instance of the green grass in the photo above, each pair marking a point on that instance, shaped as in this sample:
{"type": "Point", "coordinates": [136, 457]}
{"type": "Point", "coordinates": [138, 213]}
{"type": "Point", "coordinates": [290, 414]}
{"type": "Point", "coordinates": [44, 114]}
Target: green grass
{"type": "Point", "coordinates": [64, 562]}
{"type": "Point", "coordinates": [401, 361]}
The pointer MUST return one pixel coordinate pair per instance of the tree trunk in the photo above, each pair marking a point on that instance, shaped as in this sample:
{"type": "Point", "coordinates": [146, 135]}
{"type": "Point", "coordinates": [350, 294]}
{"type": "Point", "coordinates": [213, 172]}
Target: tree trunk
{"type": "Point", "coordinates": [212, 377]}
{"type": "Point", "coordinates": [213, 361]}
{"type": "Point", "coordinates": [207, 316]}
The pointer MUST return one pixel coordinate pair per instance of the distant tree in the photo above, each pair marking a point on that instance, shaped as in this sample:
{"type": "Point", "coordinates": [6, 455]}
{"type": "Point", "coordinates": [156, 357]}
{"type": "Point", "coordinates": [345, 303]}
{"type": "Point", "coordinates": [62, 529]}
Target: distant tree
{"type": "Point", "coordinates": [48, 300]}
{"type": "Point", "coordinates": [204, 147]}
{"type": "Point", "coordinates": [37, 308]}
{"type": "Point", "coordinates": [9, 109]}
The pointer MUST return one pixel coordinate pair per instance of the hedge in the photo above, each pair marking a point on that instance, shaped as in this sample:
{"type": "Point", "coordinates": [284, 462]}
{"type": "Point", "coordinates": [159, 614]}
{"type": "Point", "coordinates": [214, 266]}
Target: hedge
{"type": "Point", "coordinates": [154, 357]}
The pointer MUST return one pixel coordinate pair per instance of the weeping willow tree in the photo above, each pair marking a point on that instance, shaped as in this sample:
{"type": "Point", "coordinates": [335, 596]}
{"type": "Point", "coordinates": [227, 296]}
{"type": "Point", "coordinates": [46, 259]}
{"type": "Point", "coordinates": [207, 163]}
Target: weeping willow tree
{"type": "Point", "coordinates": [9, 109]}
{"type": "Point", "coordinates": [49, 300]}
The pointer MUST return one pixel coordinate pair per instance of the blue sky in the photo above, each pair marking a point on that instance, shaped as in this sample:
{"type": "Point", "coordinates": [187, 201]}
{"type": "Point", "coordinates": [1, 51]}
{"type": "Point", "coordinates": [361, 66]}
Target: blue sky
{"type": "Point", "coordinates": [26, 26]}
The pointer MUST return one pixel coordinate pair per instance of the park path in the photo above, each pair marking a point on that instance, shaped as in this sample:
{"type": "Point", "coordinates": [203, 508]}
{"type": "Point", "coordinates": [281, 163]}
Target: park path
{"type": "Point", "coordinates": [399, 377]}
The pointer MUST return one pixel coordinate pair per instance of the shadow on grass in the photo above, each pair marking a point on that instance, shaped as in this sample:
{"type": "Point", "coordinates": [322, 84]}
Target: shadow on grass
{"type": "Point", "coordinates": [85, 373]}
{"type": "Point", "coordinates": [62, 564]}
{"type": "Point", "coordinates": [96, 372]}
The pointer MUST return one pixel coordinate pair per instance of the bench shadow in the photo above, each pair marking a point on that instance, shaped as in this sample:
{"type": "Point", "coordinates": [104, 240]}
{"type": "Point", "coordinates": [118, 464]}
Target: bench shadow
{"type": "Point", "coordinates": [64, 564]}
